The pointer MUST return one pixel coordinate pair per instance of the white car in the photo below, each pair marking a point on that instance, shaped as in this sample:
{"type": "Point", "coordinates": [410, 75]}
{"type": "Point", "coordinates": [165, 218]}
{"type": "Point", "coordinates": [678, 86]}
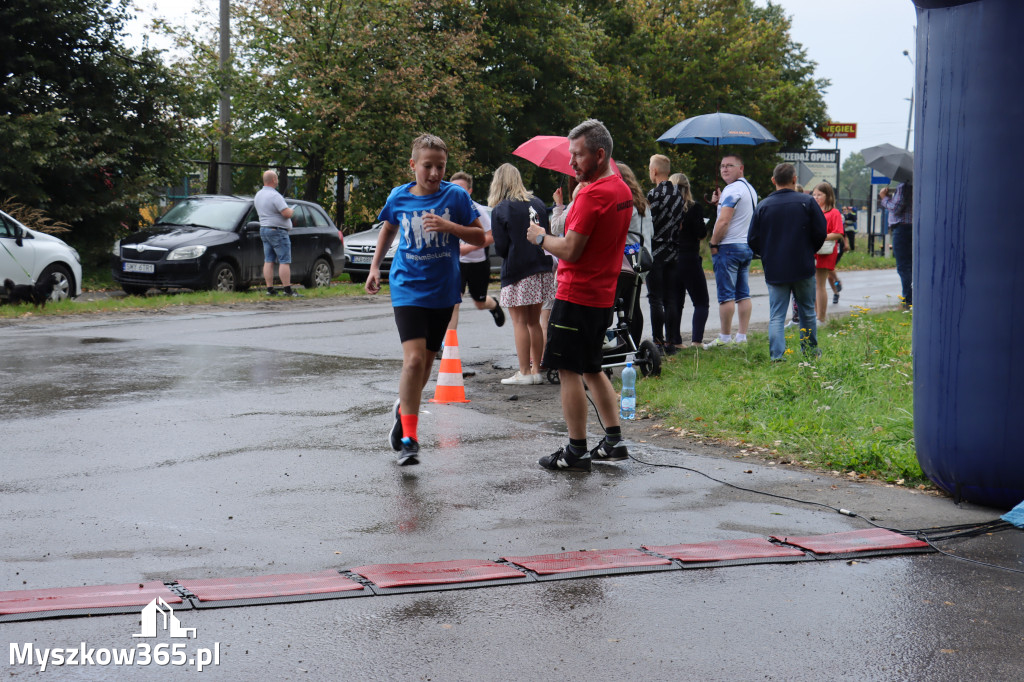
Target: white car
{"type": "Point", "coordinates": [27, 257]}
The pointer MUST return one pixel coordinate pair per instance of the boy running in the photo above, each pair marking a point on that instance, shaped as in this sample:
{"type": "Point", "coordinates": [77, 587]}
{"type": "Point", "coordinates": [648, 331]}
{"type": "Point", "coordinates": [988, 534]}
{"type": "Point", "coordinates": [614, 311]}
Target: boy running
{"type": "Point", "coordinates": [430, 217]}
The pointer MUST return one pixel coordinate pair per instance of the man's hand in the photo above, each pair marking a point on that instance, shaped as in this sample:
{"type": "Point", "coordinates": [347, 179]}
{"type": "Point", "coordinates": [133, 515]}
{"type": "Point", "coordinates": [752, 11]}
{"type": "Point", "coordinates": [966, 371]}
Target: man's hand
{"type": "Point", "coordinates": [883, 193]}
{"type": "Point", "coordinates": [715, 196]}
{"type": "Point", "coordinates": [533, 231]}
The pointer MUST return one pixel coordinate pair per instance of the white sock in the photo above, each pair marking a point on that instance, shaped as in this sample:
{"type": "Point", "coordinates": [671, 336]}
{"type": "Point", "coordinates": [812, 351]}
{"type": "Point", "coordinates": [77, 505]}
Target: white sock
{"type": "Point", "coordinates": [724, 338]}
{"type": "Point", "coordinates": [740, 338]}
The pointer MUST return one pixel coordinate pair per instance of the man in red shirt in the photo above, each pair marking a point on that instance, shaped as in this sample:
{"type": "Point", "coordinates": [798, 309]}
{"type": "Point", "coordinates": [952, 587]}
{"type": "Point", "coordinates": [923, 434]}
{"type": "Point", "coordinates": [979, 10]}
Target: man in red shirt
{"type": "Point", "coordinates": [589, 259]}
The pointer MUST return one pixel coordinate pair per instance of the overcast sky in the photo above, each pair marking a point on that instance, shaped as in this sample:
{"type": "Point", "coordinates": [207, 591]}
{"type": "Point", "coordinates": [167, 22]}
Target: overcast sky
{"type": "Point", "coordinates": [857, 44]}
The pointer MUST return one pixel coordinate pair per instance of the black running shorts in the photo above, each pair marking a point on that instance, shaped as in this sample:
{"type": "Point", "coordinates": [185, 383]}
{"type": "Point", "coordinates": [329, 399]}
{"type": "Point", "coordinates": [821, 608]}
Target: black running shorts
{"type": "Point", "coordinates": [476, 276]}
{"type": "Point", "coordinates": [576, 337]}
{"type": "Point", "coordinates": [423, 323]}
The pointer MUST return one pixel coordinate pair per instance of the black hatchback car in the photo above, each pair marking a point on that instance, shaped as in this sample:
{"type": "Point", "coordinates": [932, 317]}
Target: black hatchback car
{"type": "Point", "coordinates": [213, 242]}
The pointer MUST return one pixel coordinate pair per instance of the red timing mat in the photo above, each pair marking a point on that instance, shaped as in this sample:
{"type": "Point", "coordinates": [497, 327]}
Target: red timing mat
{"type": "Point", "coordinates": [436, 573]}
{"type": "Point", "coordinates": [90, 597]}
{"type": "Point", "coordinates": [571, 562]}
{"type": "Point", "coordinates": [255, 587]}
{"type": "Point", "coordinates": [726, 550]}
{"type": "Point", "coordinates": [867, 540]}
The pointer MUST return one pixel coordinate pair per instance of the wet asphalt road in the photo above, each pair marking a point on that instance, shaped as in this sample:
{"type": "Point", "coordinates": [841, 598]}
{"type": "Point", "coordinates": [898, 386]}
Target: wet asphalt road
{"type": "Point", "coordinates": [251, 441]}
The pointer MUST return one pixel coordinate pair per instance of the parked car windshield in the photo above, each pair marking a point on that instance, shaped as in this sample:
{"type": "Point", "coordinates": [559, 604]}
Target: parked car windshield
{"type": "Point", "coordinates": [206, 212]}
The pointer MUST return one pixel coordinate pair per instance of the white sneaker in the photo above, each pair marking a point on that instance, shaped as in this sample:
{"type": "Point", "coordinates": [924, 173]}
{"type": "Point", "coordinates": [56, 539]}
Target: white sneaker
{"type": "Point", "coordinates": [519, 379]}
{"type": "Point", "coordinates": [717, 342]}
{"type": "Point", "coordinates": [737, 340]}
{"type": "Point", "coordinates": [537, 378]}
{"type": "Point", "coordinates": [791, 323]}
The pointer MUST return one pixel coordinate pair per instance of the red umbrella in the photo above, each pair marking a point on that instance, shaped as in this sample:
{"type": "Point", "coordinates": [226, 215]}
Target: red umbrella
{"type": "Point", "coordinates": [551, 152]}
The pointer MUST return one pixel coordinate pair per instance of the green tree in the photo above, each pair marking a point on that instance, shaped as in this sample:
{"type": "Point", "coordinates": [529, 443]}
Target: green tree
{"type": "Point", "coordinates": [854, 181]}
{"type": "Point", "coordinates": [674, 59]}
{"type": "Point", "coordinates": [89, 126]}
{"type": "Point", "coordinates": [327, 84]}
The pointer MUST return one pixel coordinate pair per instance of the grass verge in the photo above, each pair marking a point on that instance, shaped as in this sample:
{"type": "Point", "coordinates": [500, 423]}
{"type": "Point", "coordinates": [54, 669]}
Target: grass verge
{"type": "Point", "coordinates": [850, 409]}
{"type": "Point", "coordinates": [338, 289]}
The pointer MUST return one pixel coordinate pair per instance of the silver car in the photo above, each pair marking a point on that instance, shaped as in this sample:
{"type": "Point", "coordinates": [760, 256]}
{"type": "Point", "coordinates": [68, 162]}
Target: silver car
{"type": "Point", "coordinates": [28, 256]}
{"type": "Point", "coordinates": [361, 246]}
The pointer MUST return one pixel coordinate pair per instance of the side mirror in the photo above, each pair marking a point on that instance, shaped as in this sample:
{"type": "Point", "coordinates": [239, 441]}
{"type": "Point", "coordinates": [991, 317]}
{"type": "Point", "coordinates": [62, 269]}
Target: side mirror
{"type": "Point", "coordinates": [18, 235]}
{"type": "Point", "coordinates": [252, 226]}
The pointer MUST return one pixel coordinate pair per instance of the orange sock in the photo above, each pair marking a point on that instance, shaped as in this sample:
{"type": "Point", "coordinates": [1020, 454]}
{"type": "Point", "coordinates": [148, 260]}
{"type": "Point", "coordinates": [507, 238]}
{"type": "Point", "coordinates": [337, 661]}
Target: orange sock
{"type": "Point", "coordinates": [409, 423]}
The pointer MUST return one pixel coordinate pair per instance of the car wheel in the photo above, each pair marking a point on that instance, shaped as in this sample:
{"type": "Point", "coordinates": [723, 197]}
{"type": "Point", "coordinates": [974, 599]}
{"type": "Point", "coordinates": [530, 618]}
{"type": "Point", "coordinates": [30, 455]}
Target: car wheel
{"type": "Point", "coordinates": [224, 277]}
{"type": "Point", "coordinates": [135, 289]}
{"type": "Point", "coordinates": [319, 275]}
{"type": "Point", "coordinates": [63, 281]}
{"type": "Point", "coordinates": [357, 277]}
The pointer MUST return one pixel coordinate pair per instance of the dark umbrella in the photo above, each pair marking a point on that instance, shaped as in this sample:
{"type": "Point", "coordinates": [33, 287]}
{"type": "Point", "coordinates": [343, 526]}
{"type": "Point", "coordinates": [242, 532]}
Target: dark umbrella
{"type": "Point", "coordinates": [551, 152]}
{"type": "Point", "coordinates": [716, 129]}
{"type": "Point", "coordinates": [891, 161]}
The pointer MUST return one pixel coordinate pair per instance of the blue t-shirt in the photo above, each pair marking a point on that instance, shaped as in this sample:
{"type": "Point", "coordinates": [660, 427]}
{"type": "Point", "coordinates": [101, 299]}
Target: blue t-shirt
{"type": "Point", "coordinates": [425, 271]}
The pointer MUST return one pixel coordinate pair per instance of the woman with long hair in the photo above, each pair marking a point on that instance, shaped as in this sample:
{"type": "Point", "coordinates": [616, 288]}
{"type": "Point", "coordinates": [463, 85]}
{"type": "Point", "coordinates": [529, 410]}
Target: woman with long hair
{"type": "Point", "coordinates": [689, 275]}
{"type": "Point", "coordinates": [641, 229]}
{"type": "Point", "coordinates": [527, 280]}
{"type": "Point", "coordinates": [824, 264]}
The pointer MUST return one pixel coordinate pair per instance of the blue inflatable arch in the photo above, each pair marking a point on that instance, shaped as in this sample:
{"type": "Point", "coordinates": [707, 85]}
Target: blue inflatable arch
{"type": "Point", "coordinates": [969, 249]}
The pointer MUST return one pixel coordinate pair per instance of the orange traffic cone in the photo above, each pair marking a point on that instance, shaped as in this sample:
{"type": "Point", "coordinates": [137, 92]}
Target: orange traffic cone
{"type": "Point", "coordinates": [450, 388]}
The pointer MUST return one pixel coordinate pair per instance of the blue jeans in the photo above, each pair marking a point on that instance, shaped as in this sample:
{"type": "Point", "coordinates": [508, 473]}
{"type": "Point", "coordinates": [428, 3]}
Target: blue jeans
{"type": "Point", "coordinates": [778, 301]}
{"type": "Point", "coordinates": [903, 251]}
{"type": "Point", "coordinates": [732, 263]}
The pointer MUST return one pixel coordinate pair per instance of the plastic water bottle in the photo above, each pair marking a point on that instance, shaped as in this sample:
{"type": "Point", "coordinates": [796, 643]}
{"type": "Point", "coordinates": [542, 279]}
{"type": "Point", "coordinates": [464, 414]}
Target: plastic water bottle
{"type": "Point", "coordinates": [627, 406]}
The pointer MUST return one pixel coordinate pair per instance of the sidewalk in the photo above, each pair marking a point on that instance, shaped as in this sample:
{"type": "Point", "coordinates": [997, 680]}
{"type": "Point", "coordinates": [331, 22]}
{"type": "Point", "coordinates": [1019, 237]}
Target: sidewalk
{"type": "Point", "coordinates": [875, 289]}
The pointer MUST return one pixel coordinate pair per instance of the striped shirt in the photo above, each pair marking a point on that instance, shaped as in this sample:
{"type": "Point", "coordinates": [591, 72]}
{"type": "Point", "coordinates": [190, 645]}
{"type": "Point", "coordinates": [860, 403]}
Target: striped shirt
{"type": "Point", "coordinates": [666, 212]}
{"type": "Point", "coordinates": [899, 212]}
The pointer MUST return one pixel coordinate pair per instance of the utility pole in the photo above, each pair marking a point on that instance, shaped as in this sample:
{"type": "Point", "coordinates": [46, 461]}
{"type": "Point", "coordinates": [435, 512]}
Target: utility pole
{"type": "Point", "coordinates": [224, 166]}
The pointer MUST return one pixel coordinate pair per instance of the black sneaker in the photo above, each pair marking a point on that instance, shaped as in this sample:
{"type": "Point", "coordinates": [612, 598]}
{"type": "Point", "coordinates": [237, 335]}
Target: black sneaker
{"type": "Point", "coordinates": [563, 460]}
{"type": "Point", "coordinates": [410, 452]}
{"type": "Point", "coordinates": [395, 437]}
{"type": "Point", "coordinates": [499, 315]}
{"type": "Point", "coordinates": [287, 291]}
{"type": "Point", "coordinates": [271, 291]}
{"type": "Point", "coordinates": [835, 298]}
{"type": "Point", "coordinates": [606, 452]}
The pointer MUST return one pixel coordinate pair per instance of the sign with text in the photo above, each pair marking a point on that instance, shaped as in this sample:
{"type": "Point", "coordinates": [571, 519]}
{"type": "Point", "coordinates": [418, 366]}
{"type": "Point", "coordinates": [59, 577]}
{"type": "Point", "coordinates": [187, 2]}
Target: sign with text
{"type": "Point", "coordinates": [814, 166]}
{"type": "Point", "coordinates": [833, 131]}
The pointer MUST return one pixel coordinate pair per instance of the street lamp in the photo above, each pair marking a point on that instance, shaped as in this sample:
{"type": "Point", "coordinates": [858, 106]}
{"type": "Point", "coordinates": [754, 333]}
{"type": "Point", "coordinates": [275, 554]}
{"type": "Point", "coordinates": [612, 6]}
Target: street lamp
{"type": "Point", "coordinates": [910, 116]}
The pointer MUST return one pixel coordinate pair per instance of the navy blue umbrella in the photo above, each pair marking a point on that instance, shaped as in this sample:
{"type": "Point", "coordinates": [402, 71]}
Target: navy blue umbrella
{"type": "Point", "coordinates": [717, 128]}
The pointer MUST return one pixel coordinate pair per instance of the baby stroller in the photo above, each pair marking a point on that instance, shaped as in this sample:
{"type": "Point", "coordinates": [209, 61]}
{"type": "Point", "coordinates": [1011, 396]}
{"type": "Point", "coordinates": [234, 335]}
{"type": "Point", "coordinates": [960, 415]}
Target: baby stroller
{"type": "Point", "coordinates": [620, 344]}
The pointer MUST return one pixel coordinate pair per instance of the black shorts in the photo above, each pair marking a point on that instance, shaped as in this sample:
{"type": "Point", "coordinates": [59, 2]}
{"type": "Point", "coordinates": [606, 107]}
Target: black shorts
{"type": "Point", "coordinates": [476, 276]}
{"type": "Point", "coordinates": [576, 337]}
{"type": "Point", "coordinates": [423, 323]}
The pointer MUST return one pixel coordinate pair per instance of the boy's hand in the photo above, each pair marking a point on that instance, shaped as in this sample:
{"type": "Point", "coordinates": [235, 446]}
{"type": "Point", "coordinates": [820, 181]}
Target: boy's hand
{"type": "Point", "coordinates": [372, 285]}
{"type": "Point", "coordinates": [435, 223]}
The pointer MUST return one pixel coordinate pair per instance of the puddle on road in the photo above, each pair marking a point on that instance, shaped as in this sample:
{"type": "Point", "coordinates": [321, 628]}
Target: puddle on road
{"type": "Point", "coordinates": [58, 373]}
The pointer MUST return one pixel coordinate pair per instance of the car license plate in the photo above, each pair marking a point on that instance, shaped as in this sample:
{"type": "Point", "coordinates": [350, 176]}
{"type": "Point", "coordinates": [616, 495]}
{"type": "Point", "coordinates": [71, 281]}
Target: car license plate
{"type": "Point", "coordinates": [362, 259]}
{"type": "Point", "coordinates": [148, 268]}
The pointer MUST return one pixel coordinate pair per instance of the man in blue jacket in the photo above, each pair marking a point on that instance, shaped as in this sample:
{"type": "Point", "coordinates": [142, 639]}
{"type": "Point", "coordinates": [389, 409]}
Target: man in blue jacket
{"type": "Point", "coordinates": [787, 229]}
